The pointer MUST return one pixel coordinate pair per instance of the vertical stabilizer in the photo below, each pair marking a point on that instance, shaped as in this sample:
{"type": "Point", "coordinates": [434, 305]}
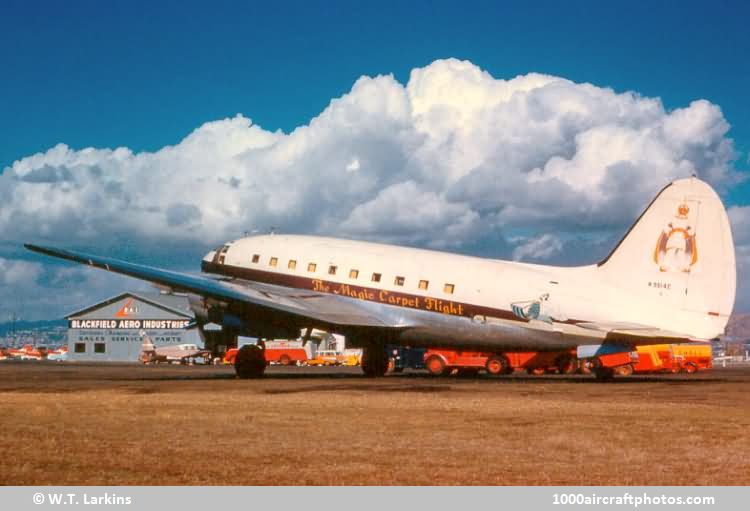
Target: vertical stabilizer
{"type": "Point", "coordinates": [680, 254]}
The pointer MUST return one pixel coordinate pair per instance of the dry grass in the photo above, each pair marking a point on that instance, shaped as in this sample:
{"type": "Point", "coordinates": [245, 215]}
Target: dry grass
{"type": "Point", "coordinates": [67, 424]}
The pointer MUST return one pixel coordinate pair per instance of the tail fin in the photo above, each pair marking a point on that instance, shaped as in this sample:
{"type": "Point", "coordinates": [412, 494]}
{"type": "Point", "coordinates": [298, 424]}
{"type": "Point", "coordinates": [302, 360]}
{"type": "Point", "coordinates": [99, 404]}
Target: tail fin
{"type": "Point", "coordinates": [680, 254]}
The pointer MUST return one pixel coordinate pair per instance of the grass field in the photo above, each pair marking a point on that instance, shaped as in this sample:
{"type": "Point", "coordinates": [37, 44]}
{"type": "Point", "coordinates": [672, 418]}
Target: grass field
{"type": "Point", "coordinates": [131, 424]}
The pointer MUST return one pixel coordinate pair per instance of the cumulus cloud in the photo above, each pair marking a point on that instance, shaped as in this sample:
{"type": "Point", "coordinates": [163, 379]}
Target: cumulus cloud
{"type": "Point", "coordinates": [32, 290]}
{"type": "Point", "coordinates": [739, 217]}
{"type": "Point", "coordinates": [538, 248]}
{"type": "Point", "coordinates": [455, 158]}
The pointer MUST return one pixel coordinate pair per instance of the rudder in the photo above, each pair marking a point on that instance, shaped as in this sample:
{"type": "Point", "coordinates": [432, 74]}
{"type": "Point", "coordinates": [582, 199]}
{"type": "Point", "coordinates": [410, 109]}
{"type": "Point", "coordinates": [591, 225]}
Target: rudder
{"type": "Point", "coordinates": [680, 254]}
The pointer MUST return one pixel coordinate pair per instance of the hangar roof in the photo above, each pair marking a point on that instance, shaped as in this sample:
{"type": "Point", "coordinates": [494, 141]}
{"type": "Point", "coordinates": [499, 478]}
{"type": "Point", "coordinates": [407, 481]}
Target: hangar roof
{"type": "Point", "coordinates": [175, 304]}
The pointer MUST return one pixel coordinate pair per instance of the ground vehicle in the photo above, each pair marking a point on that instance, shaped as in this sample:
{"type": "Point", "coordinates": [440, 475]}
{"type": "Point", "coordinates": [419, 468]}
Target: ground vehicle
{"type": "Point", "coordinates": [445, 361]}
{"type": "Point", "coordinates": [403, 357]}
{"type": "Point", "coordinates": [351, 357]}
{"type": "Point", "coordinates": [283, 355]}
{"type": "Point", "coordinates": [59, 354]}
{"type": "Point", "coordinates": [326, 358]}
{"type": "Point", "coordinates": [673, 358]}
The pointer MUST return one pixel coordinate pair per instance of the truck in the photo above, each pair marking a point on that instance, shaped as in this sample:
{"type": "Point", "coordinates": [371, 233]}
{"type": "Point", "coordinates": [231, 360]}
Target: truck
{"type": "Point", "coordinates": [277, 352]}
{"type": "Point", "coordinates": [404, 357]}
{"type": "Point", "coordinates": [672, 358]}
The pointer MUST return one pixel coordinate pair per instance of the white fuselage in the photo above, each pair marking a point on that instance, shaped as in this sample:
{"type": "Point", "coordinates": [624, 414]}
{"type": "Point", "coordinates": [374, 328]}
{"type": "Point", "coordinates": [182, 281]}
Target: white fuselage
{"type": "Point", "coordinates": [447, 284]}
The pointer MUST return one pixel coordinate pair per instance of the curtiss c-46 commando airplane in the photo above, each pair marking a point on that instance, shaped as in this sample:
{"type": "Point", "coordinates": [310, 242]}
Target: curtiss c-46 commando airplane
{"type": "Point", "coordinates": [672, 278]}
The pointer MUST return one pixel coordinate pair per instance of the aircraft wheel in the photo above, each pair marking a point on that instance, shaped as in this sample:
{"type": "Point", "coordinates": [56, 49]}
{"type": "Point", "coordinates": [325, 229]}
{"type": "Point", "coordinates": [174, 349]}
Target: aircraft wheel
{"type": "Point", "coordinates": [497, 364]}
{"type": "Point", "coordinates": [250, 362]}
{"type": "Point", "coordinates": [435, 365]}
{"type": "Point", "coordinates": [285, 360]}
{"type": "Point", "coordinates": [604, 373]}
{"type": "Point", "coordinates": [374, 361]}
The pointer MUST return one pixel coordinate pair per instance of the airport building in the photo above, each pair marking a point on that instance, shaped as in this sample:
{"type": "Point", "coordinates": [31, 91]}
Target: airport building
{"type": "Point", "coordinates": [112, 330]}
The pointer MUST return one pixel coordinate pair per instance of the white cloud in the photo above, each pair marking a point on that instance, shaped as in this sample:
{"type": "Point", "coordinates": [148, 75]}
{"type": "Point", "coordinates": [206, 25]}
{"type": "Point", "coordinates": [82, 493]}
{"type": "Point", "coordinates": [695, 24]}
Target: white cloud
{"type": "Point", "coordinates": [739, 218]}
{"type": "Point", "coordinates": [33, 290]}
{"type": "Point", "coordinates": [453, 158]}
{"type": "Point", "coordinates": [14, 272]}
{"type": "Point", "coordinates": [538, 248]}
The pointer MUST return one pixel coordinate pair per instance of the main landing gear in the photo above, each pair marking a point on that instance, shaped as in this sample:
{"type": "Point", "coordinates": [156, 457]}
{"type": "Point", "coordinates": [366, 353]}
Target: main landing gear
{"type": "Point", "coordinates": [250, 362]}
{"type": "Point", "coordinates": [374, 361]}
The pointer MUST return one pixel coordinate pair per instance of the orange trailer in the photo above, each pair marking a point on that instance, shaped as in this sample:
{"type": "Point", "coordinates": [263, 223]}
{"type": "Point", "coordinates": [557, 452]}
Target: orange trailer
{"type": "Point", "coordinates": [445, 361]}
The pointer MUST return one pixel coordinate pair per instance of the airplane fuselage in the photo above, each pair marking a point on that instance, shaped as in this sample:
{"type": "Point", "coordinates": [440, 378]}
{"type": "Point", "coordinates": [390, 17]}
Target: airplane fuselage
{"type": "Point", "coordinates": [446, 294]}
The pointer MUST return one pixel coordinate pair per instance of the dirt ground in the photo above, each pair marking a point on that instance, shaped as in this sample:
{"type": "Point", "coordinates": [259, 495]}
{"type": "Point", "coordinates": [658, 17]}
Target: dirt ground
{"type": "Point", "coordinates": [69, 424]}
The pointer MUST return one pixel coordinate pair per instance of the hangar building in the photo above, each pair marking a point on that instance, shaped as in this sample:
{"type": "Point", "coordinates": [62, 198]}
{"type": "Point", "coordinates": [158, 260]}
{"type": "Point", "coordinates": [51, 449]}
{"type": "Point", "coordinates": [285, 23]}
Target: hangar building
{"type": "Point", "coordinates": [110, 330]}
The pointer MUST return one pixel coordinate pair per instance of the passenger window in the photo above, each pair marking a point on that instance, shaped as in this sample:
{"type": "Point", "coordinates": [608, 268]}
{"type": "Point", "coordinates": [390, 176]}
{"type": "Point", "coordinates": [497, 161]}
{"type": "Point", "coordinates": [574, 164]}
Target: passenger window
{"type": "Point", "coordinates": [332, 270]}
{"type": "Point", "coordinates": [273, 262]}
{"type": "Point", "coordinates": [292, 264]}
{"type": "Point", "coordinates": [376, 277]}
{"type": "Point", "coordinates": [353, 274]}
{"type": "Point", "coordinates": [311, 266]}
{"type": "Point", "coordinates": [256, 258]}
{"type": "Point", "coordinates": [399, 281]}
{"type": "Point", "coordinates": [423, 284]}
{"type": "Point", "coordinates": [448, 289]}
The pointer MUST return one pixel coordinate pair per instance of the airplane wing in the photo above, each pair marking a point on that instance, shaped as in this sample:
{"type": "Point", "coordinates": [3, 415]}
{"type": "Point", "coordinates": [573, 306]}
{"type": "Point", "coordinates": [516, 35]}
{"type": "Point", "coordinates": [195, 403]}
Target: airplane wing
{"type": "Point", "coordinates": [322, 308]}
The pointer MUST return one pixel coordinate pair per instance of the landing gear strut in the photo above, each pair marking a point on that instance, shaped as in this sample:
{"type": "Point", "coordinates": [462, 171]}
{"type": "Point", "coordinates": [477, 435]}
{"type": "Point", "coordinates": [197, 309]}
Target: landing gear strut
{"type": "Point", "coordinates": [374, 361]}
{"type": "Point", "coordinates": [250, 362]}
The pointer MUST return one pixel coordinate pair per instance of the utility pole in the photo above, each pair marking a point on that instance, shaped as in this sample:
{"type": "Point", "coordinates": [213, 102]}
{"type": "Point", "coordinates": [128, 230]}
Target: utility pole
{"type": "Point", "coordinates": [13, 319]}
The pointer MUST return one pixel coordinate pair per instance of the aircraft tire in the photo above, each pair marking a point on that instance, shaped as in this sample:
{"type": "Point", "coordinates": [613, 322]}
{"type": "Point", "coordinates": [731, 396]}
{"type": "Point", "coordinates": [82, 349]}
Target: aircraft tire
{"type": "Point", "coordinates": [285, 360]}
{"type": "Point", "coordinates": [604, 373]}
{"type": "Point", "coordinates": [374, 361]}
{"type": "Point", "coordinates": [250, 362]}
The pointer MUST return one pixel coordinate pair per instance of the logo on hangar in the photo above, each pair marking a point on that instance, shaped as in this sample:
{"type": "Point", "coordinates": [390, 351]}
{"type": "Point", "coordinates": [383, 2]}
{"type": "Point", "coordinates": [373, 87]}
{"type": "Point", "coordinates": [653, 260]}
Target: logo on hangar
{"type": "Point", "coordinates": [127, 310]}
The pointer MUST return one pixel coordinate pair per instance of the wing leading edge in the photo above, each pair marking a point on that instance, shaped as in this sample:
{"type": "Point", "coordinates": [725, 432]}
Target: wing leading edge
{"type": "Point", "coordinates": [323, 308]}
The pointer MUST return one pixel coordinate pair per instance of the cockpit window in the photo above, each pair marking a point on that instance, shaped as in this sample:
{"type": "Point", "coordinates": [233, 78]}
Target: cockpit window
{"type": "Point", "coordinates": [221, 254]}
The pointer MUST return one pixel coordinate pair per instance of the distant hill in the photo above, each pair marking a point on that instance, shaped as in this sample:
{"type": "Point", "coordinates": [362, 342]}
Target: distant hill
{"type": "Point", "coordinates": [739, 326]}
{"type": "Point", "coordinates": [6, 328]}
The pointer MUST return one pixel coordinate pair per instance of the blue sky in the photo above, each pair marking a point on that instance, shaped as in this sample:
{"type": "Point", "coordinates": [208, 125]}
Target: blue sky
{"type": "Point", "coordinates": [143, 76]}
{"type": "Point", "coordinates": [132, 73]}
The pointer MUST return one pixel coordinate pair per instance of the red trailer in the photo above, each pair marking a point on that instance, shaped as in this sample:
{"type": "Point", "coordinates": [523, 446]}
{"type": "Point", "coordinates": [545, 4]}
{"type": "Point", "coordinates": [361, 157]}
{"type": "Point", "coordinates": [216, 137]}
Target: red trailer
{"type": "Point", "coordinates": [445, 361]}
{"type": "Point", "coordinates": [285, 355]}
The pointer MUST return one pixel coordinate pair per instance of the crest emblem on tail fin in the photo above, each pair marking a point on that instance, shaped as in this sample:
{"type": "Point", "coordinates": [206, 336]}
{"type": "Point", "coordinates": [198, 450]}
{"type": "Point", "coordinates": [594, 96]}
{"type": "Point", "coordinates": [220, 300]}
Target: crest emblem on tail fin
{"type": "Point", "coordinates": [676, 248]}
